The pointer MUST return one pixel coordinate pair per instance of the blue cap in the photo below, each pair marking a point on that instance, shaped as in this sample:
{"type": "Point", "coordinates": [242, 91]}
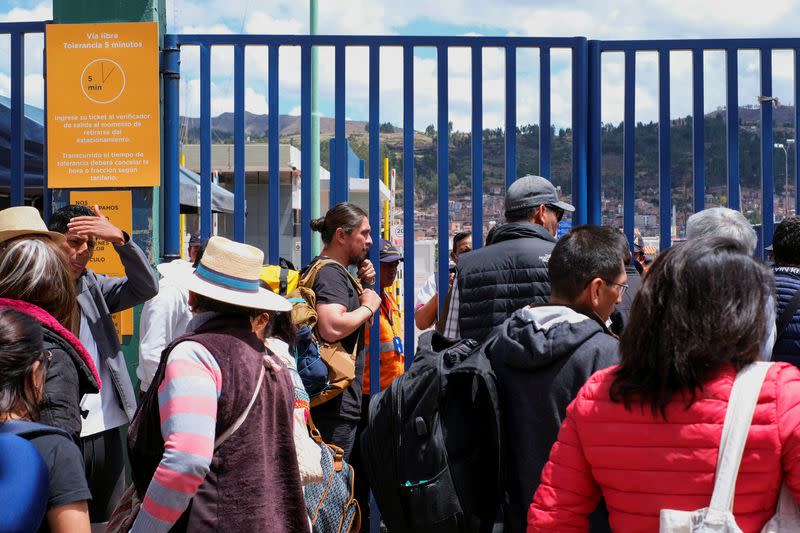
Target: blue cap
{"type": "Point", "coordinates": [389, 252]}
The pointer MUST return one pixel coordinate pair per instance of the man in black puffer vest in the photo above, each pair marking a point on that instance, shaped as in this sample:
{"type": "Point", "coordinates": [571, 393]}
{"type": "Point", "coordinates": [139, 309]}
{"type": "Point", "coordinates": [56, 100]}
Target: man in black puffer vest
{"type": "Point", "coordinates": [493, 282]}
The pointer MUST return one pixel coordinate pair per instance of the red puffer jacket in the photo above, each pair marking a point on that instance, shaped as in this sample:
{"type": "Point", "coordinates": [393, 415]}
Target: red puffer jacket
{"type": "Point", "coordinates": [641, 464]}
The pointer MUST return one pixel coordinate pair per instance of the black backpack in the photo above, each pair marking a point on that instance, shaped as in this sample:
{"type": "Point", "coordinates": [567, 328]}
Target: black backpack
{"type": "Point", "coordinates": [432, 447]}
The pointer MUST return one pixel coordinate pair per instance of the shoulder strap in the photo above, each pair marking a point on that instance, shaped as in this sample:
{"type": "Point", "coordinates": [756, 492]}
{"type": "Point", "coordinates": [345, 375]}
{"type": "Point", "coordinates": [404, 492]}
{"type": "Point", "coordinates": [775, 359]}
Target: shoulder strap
{"type": "Point", "coordinates": [787, 315]}
{"type": "Point", "coordinates": [739, 414]}
{"type": "Point", "coordinates": [30, 430]}
{"type": "Point", "coordinates": [310, 275]}
{"type": "Point", "coordinates": [239, 421]}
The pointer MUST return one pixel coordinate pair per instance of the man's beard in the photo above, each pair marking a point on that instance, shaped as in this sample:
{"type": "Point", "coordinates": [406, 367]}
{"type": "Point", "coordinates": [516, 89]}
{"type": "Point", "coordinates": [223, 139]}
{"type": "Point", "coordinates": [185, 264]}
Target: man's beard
{"type": "Point", "coordinates": [357, 259]}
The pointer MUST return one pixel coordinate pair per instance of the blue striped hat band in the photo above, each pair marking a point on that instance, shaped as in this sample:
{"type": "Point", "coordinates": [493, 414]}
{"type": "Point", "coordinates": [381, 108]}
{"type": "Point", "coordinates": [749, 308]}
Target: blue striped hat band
{"type": "Point", "coordinates": [225, 281]}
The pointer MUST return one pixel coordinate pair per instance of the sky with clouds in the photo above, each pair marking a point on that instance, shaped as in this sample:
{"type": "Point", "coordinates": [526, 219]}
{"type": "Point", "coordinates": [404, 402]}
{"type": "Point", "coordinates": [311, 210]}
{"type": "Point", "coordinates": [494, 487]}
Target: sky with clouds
{"type": "Point", "coordinates": [620, 19]}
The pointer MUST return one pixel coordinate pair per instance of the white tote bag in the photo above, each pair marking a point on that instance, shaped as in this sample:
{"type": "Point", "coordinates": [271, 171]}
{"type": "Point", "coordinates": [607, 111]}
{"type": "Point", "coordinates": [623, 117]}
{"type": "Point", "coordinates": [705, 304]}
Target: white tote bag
{"type": "Point", "coordinates": [718, 516]}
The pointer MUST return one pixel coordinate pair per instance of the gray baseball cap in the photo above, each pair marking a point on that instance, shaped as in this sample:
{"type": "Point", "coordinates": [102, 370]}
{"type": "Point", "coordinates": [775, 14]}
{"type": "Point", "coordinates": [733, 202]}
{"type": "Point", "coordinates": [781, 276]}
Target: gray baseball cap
{"type": "Point", "coordinates": [532, 191]}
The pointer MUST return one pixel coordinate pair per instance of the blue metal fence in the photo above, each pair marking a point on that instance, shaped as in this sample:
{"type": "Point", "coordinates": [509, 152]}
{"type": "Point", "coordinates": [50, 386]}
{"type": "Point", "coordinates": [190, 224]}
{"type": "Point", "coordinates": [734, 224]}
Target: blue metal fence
{"type": "Point", "coordinates": [339, 181]}
{"type": "Point", "coordinates": [586, 100]}
{"type": "Point", "coordinates": [16, 32]}
{"type": "Point", "coordinates": [731, 47]}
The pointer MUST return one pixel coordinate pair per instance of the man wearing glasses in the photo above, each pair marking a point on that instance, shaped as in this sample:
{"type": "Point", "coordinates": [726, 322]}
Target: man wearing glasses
{"type": "Point", "coordinates": [544, 354]}
{"type": "Point", "coordinates": [493, 282]}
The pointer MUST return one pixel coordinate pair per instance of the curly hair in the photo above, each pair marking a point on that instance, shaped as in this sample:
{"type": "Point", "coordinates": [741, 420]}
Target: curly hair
{"type": "Point", "coordinates": [703, 305]}
{"type": "Point", "coordinates": [786, 241]}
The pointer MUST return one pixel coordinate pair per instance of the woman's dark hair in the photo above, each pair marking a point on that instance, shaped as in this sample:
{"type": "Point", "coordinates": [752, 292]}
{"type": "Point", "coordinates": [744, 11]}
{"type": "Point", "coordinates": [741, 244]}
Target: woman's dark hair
{"type": "Point", "coordinates": [281, 327]}
{"type": "Point", "coordinates": [20, 347]}
{"type": "Point", "coordinates": [344, 215]}
{"type": "Point", "coordinates": [204, 303]}
{"type": "Point", "coordinates": [703, 305]}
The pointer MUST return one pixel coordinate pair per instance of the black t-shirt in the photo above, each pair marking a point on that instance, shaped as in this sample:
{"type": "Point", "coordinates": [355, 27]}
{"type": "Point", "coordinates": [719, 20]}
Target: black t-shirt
{"type": "Point", "coordinates": [334, 286]}
{"type": "Point", "coordinates": [65, 466]}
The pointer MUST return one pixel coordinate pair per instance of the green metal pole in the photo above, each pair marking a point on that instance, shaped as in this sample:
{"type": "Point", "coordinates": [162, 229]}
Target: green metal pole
{"type": "Point", "coordinates": [315, 207]}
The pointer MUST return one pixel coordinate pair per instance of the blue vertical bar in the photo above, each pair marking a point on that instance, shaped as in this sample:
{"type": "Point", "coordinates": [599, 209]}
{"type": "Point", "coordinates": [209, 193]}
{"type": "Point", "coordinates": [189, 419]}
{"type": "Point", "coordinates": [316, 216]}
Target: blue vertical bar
{"type": "Point", "coordinates": [545, 139]}
{"type": "Point", "coordinates": [339, 178]}
{"type": "Point", "coordinates": [629, 151]}
{"type": "Point", "coordinates": [796, 129]}
{"type": "Point", "coordinates": [274, 162]}
{"type": "Point", "coordinates": [305, 155]}
{"type": "Point", "coordinates": [477, 147]}
{"type": "Point", "coordinates": [408, 202]}
{"type": "Point", "coordinates": [580, 136]}
{"type": "Point", "coordinates": [443, 138]}
{"type": "Point", "coordinates": [732, 103]}
{"type": "Point", "coordinates": [375, 224]}
{"type": "Point", "coordinates": [172, 57]}
{"type": "Point", "coordinates": [767, 167]}
{"type": "Point", "coordinates": [17, 118]}
{"type": "Point", "coordinates": [594, 139]}
{"type": "Point", "coordinates": [698, 130]}
{"type": "Point", "coordinates": [238, 144]}
{"type": "Point", "coordinates": [511, 115]}
{"type": "Point", "coordinates": [205, 141]}
{"type": "Point", "coordinates": [665, 183]}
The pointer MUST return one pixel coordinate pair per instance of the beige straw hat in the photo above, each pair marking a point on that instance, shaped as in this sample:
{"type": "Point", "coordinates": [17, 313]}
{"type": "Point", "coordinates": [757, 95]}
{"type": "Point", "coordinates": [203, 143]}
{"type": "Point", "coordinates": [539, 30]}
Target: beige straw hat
{"type": "Point", "coordinates": [24, 220]}
{"type": "Point", "coordinates": [229, 272]}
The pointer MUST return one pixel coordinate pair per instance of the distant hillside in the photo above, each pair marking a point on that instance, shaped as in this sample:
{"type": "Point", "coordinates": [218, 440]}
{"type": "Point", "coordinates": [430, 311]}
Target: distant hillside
{"type": "Point", "coordinates": [257, 126]}
{"type": "Point", "coordinates": [752, 114]}
{"type": "Point", "coordinates": [460, 155]}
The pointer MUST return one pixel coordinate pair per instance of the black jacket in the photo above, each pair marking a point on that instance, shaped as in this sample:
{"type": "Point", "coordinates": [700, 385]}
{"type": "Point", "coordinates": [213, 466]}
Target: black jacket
{"type": "Point", "coordinates": [622, 314]}
{"type": "Point", "coordinates": [787, 346]}
{"type": "Point", "coordinates": [541, 356]}
{"type": "Point", "coordinates": [497, 280]}
{"type": "Point", "coordinates": [70, 373]}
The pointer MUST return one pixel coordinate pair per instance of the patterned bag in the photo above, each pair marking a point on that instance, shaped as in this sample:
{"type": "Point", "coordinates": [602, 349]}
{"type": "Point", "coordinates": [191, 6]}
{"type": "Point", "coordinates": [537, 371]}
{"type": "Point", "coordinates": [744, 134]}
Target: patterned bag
{"type": "Point", "coordinates": [331, 503]}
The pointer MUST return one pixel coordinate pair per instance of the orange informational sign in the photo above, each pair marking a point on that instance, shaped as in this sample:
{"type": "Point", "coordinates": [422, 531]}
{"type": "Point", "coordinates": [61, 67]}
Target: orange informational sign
{"type": "Point", "coordinates": [102, 105]}
{"type": "Point", "coordinates": [116, 205]}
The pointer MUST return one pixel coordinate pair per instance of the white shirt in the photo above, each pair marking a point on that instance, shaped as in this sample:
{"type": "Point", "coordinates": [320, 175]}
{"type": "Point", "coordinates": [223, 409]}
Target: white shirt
{"type": "Point", "coordinates": [428, 291]}
{"type": "Point", "coordinates": [104, 409]}
{"type": "Point", "coordinates": [164, 319]}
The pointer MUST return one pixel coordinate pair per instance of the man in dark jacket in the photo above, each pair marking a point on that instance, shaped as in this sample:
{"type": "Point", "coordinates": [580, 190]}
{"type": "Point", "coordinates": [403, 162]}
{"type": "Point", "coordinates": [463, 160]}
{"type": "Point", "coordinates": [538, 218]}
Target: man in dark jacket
{"type": "Point", "coordinates": [786, 251]}
{"type": "Point", "coordinates": [544, 354]}
{"type": "Point", "coordinates": [493, 282]}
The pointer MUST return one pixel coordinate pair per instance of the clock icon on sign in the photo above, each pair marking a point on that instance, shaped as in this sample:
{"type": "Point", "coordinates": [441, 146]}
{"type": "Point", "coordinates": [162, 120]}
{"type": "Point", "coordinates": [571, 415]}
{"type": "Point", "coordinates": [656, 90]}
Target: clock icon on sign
{"type": "Point", "coordinates": [102, 81]}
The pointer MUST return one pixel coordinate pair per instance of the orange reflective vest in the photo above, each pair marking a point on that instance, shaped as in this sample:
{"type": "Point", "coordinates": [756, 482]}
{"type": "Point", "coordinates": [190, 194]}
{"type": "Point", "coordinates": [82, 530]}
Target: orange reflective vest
{"type": "Point", "coordinates": [392, 359]}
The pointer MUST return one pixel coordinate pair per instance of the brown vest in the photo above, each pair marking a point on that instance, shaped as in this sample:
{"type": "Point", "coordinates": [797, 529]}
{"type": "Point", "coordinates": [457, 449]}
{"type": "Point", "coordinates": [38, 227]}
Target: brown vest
{"type": "Point", "coordinates": [254, 482]}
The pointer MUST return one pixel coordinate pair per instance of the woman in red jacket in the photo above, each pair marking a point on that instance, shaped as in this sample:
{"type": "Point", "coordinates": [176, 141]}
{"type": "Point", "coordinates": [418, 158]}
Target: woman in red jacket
{"type": "Point", "coordinates": [644, 435]}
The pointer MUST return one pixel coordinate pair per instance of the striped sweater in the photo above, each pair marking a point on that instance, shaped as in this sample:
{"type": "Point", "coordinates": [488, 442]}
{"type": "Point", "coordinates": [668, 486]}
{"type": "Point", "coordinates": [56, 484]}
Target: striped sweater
{"type": "Point", "coordinates": [187, 399]}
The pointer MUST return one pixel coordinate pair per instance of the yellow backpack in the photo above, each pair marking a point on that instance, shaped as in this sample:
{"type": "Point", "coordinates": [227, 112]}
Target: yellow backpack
{"type": "Point", "coordinates": [282, 278]}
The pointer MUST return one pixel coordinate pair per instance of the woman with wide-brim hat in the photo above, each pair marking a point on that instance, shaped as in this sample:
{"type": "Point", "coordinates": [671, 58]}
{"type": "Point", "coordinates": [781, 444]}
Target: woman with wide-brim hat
{"type": "Point", "coordinates": [211, 446]}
